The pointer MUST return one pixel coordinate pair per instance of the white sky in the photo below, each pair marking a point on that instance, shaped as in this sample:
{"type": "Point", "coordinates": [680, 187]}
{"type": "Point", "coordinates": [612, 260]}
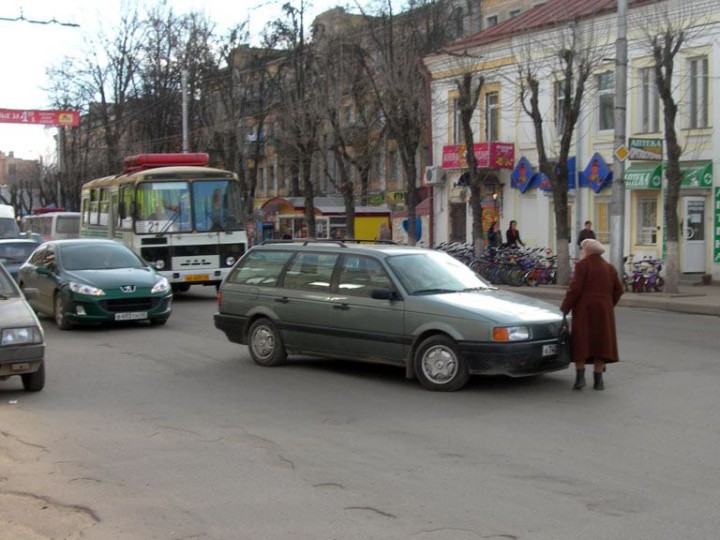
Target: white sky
{"type": "Point", "coordinates": [29, 49]}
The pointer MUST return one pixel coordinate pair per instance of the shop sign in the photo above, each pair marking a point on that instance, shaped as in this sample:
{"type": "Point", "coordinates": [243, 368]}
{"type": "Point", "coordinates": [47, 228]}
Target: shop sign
{"type": "Point", "coordinates": [697, 174]}
{"type": "Point", "coordinates": [646, 176]}
{"type": "Point", "coordinates": [645, 149]}
{"type": "Point", "coordinates": [375, 199]}
{"type": "Point", "coordinates": [395, 197]}
{"type": "Point", "coordinates": [597, 173]}
{"type": "Point", "coordinates": [522, 175]}
{"type": "Point", "coordinates": [489, 155]}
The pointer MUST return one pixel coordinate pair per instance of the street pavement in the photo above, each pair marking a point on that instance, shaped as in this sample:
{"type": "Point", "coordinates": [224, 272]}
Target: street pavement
{"type": "Point", "coordinates": [695, 299]}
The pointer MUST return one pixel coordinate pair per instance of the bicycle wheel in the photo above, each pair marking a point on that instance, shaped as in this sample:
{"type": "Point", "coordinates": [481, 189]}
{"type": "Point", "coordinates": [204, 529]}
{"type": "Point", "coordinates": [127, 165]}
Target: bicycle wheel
{"type": "Point", "coordinates": [659, 284]}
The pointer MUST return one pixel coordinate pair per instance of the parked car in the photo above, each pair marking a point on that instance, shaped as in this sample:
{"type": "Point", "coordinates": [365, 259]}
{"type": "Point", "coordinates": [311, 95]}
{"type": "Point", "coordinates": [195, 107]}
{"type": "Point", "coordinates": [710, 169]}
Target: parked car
{"type": "Point", "coordinates": [416, 308]}
{"type": "Point", "coordinates": [14, 252]}
{"type": "Point", "coordinates": [85, 281]}
{"type": "Point", "coordinates": [22, 346]}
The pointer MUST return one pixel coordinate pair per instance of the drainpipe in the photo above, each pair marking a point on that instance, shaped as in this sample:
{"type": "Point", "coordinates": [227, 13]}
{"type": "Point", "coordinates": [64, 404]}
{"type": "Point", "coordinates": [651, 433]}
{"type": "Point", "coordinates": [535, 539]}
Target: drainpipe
{"type": "Point", "coordinates": [428, 92]}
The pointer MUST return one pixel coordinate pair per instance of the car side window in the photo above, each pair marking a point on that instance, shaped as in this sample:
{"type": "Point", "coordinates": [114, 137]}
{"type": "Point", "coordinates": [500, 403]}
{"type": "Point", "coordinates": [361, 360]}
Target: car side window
{"type": "Point", "coordinates": [360, 275]}
{"type": "Point", "coordinates": [310, 271]}
{"type": "Point", "coordinates": [49, 259]}
{"type": "Point", "coordinates": [37, 258]}
{"type": "Point", "coordinates": [261, 268]}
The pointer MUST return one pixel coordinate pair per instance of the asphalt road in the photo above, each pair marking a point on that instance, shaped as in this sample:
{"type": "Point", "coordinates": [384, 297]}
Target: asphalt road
{"type": "Point", "coordinates": [173, 433]}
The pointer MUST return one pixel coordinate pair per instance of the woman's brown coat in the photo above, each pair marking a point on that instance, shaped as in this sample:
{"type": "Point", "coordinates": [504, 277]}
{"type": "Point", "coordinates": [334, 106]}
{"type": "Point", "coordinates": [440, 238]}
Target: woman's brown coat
{"type": "Point", "coordinates": [592, 295]}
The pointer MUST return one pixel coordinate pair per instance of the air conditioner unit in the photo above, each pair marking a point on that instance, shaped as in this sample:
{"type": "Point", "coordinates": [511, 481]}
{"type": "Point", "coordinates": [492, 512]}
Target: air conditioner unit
{"type": "Point", "coordinates": [434, 174]}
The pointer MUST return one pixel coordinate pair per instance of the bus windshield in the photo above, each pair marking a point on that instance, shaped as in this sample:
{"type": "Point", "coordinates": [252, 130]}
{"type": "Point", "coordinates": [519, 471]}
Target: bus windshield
{"type": "Point", "coordinates": [184, 207]}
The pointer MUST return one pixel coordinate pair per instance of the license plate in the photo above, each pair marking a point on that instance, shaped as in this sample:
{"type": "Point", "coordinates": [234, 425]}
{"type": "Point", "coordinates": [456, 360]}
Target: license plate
{"type": "Point", "coordinates": [197, 277]}
{"type": "Point", "coordinates": [549, 350]}
{"type": "Point", "coordinates": [131, 316]}
{"type": "Point", "coordinates": [19, 367]}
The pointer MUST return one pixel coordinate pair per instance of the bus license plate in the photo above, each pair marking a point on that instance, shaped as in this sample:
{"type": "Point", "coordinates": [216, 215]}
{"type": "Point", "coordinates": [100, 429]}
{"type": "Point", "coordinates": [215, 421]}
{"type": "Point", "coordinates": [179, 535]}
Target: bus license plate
{"type": "Point", "coordinates": [549, 350]}
{"type": "Point", "coordinates": [131, 316]}
{"type": "Point", "coordinates": [197, 277]}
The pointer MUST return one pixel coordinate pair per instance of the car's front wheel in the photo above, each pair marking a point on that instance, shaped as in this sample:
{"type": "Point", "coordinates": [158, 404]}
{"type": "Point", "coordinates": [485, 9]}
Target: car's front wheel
{"type": "Point", "coordinates": [439, 365]}
{"type": "Point", "coordinates": [34, 382]}
{"type": "Point", "coordinates": [265, 344]}
{"type": "Point", "coordinates": [61, 320]}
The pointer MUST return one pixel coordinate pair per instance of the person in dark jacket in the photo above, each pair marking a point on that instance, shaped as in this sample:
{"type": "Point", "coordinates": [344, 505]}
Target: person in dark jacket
{"type": "Point", "coordinates": [494, 237]}
{"type": "Point", "coordinates": [594, 291]}
{"type": "Point", "coordinates": [586, 233]}
{"type": "Point", "coordinates": [512, 236]}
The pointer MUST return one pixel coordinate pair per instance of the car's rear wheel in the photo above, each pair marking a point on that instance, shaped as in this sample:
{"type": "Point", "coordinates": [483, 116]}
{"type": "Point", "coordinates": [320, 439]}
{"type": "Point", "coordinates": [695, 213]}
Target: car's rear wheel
{"type": "Point", "coordinates": [61, 319]}
{"type": "Point", "coordinates": [34, 382]}
{"type": "Point", "coordinates": [439, 365]}
{"type": "Point", "coordinates": [265, 344]}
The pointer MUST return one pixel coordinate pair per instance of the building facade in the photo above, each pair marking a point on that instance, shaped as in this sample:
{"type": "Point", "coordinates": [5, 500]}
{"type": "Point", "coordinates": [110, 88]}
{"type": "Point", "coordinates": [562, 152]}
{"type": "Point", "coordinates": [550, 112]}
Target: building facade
{"type": "Point", "coordinates": [520, 193]}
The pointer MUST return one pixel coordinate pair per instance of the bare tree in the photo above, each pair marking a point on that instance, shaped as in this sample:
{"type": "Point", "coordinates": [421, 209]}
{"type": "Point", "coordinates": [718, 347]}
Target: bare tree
{"type": "Point", "coordinates": [393, 67]}
{"type": "Point", "coordinates": [574, 60]}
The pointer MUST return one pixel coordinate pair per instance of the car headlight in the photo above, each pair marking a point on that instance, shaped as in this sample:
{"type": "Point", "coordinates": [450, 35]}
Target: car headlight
{"type": "Point", "coordinates": [21, 336]}
{"type": "Point", "coordinates": [161, 286]}
{"type": "Point", "coordinates": [89, 290]}
{"type": "Point", "coordinates": [511, 333]}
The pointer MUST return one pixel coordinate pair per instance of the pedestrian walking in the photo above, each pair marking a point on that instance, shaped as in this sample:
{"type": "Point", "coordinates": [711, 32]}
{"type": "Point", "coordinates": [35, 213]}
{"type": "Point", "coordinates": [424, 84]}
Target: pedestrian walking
{"type": "Point", "coordinates": [385, 233]}
{"type": "Point", "coordinates": [593, 293]}
{"type": "Point", "coordinates": [586, 233]}
{"type": "Point", "coordinates": [512, 236]}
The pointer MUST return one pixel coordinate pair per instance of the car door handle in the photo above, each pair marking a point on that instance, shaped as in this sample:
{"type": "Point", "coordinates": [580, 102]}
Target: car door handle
{"type": "Point", "coordinates": [344, 307]}
{"type": "Point", "coordinates": [283, 300]}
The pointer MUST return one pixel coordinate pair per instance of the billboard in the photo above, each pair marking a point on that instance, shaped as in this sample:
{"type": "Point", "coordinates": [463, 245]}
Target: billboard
{"type": "Point", "coordinates": [43, 118]}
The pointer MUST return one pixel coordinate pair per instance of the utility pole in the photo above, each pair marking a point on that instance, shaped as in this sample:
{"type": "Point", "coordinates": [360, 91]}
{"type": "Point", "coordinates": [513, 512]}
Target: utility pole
{"type": "Point", "coordinates": [184, 81]}
{"type": "Point", "coordinates": [617, 208]}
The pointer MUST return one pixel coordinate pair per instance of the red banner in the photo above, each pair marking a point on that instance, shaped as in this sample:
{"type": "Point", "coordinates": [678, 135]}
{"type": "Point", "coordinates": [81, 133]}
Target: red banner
{"type": "Point", "coordinates": [44, 118]}
{"type": "Point", "coordinates": [489, 155]}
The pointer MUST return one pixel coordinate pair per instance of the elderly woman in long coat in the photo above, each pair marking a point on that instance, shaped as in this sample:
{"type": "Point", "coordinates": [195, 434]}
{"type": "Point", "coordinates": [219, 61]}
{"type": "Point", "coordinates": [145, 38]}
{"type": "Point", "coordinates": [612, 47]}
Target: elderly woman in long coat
{"type": "Point", "coordinates": [592, 295]}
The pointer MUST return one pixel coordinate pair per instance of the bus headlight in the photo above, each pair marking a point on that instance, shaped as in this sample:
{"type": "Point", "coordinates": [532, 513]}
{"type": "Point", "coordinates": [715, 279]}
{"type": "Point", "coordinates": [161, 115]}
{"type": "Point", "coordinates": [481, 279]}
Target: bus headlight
{"type": "Point", "coordinates": [229, 260]}
{"type": "Point", "coordinates": [160, 264]}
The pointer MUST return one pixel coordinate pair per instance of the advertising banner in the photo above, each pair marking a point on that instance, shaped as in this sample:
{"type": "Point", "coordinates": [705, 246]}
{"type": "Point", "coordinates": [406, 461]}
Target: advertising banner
{"type": "Point", "coordinates": [489, 155]}
{"type": "Point", "coordinates": [43, 118]}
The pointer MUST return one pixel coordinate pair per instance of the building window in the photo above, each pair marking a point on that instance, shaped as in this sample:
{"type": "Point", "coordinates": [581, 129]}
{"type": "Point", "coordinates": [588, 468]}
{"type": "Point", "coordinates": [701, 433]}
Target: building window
{"type": "Point", "coordinates": [515, 12]}
{"type": "Point", "coordinates": [649, 110]}
{"type": "Point", "coordinates": [492, 20]}
{"type": "Point", "coordinates": [347, 115]}
{"type": "Point", "coordinates": [699, 91]}
{"type": "Point", "coordinates": [606, 100]}
{"type": "Point", "coordinates": [559, 106]}
{"type": "Point", "coordinates": [492, 116]}
{"type": "Point", "coordinates": [647, 221]}
{"type": "Point", "coordinates": [261, 180]}
{"type": "Point", "coordinates": [601, 222]}
{"type": "Point", "coordinates": [457, 122]}
{"type": "Point", "coordinates": [394, 165]}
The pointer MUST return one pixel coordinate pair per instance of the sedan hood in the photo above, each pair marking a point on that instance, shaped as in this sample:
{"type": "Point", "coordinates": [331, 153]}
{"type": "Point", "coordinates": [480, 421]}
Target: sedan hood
{"type": "Point", "coordinates": [15, 312]}
{"type": "Point", "coordinates": [113, 278]}
{"type": "Point", "coordinates": [492, 304]}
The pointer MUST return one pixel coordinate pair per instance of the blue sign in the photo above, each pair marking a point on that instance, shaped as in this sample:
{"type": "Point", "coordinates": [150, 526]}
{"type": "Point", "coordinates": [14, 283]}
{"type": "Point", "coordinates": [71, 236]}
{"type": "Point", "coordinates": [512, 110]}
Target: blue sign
{"type": "Point", "coordinates": [597, 174]}
{"type": "Point", "coordinates": [418, 226]}
{"type": "Point", "coordinates": [522, 176]}
{"type": "Point", "coordinates": [543, 182]}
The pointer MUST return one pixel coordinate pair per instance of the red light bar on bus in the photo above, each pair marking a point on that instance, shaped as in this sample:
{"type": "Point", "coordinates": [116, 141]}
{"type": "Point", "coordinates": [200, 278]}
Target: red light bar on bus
{"type": "Point", "coordinates": [141, 162]}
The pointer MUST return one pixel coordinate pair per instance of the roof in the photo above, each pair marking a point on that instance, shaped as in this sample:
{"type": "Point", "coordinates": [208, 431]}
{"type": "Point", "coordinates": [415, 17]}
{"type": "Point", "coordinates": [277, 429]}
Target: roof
{"type": "Point", "coordinates": [545, 15]}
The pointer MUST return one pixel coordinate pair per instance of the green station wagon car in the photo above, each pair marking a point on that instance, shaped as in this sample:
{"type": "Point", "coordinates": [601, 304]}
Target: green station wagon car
{"type": "Point", "coordinates": [416, 308]}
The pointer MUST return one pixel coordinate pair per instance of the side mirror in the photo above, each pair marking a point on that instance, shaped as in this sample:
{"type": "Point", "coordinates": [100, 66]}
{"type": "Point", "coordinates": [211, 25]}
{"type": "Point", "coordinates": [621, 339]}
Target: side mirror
{"type": "Point", "coordinates": [383, 294]}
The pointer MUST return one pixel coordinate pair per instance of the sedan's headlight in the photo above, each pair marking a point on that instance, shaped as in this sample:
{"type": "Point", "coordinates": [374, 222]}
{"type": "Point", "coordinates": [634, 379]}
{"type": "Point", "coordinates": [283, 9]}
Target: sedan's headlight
{"type": "Point", "coordinates": [161, 286]}
{"type": "Point", "coordinates": [89, 290]}
{"type": "Point", "coordinates": [511, 333]}
{"type": "Point", "coordinates": [21, 336]}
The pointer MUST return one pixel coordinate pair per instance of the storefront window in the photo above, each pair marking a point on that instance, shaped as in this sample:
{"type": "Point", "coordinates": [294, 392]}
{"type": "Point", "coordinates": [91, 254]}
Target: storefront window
{"type": "Point", "coordinates": [646, 212]}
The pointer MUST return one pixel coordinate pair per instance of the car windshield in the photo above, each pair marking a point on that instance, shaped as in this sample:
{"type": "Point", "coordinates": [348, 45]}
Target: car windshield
{"type": "Point", "coordinates": [98, 257]}
{"type": "Point", "coordinates": [8, 289]}
{"type": "Point", "coordinates": [15, 252]}
{"type": "Point", "coordinates": [434, 272]}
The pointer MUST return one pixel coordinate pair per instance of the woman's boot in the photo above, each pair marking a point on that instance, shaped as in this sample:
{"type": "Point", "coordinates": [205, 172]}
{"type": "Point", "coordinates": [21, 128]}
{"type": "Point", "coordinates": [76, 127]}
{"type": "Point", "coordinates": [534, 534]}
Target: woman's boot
{"type": "Point", "coordinates": [579, 379]}
{"type": "Point", "coordinates": [598, 383]}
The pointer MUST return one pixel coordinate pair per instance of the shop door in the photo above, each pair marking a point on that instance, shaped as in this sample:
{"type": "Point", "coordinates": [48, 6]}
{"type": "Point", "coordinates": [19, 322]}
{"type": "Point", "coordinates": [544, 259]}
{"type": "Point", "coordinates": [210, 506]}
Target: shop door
{"type": "Point", "coordinates": [693, 238]}
{"type": "Point", "coordinates": [458, 223]}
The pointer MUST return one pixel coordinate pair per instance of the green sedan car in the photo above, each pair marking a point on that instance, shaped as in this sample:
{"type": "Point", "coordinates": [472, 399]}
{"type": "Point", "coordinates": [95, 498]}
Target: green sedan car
{"type": "Point", "coordinates": [85, 281]}
{"type": "Point", "coordinates": [415, 308]}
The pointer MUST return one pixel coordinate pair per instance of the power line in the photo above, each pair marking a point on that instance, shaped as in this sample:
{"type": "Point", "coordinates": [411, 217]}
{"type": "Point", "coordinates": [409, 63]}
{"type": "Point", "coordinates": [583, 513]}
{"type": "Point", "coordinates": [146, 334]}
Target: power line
{"type": "Point", "coordinates": [22, 18]}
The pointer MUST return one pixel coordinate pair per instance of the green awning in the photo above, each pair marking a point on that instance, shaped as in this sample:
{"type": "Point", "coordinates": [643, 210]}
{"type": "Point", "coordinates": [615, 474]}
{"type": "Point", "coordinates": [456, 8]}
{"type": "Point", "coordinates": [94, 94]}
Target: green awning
{"type": "Point", "coordinates": [696, 174]}
{"type": "Point", "coordinates": [644, 176]}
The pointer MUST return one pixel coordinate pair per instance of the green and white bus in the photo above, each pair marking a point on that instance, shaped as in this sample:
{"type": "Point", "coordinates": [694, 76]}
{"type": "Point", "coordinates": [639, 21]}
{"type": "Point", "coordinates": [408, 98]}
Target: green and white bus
{"type": "Point", "coordinates": [173, 211]}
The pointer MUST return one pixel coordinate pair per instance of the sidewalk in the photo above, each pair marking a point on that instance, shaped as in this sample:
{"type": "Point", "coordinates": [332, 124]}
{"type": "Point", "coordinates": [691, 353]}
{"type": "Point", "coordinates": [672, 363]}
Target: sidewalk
{"type": "Point", "coordinates": [696, 299]}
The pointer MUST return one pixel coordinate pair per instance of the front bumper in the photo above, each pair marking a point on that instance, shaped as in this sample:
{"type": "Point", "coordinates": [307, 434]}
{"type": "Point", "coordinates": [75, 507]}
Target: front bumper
{"type": "Point", "coordinates": [520, 359]}
{"type": "Point", "coordinates": [21, 359]}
